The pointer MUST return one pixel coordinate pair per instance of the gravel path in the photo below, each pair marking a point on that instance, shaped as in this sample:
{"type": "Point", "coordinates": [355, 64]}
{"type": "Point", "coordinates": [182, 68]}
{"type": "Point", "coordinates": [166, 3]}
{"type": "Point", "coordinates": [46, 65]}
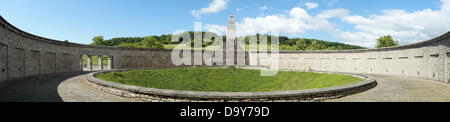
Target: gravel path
{"type": "Point", "coordinates": [401, 89]}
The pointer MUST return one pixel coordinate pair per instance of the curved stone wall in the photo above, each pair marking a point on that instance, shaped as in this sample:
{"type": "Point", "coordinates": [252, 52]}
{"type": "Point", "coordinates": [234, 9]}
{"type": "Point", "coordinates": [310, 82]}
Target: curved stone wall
{"type": "Point", "coordinates": [426, 60]}
{"type": "Point", "coordinates": [24, 54]}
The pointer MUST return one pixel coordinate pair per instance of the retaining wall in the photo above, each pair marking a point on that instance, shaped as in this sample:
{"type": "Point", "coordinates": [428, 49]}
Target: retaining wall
{"type": "Point", "coordinates": [165, 95]}
{"type": "Point", "coordinates": [426, 60]}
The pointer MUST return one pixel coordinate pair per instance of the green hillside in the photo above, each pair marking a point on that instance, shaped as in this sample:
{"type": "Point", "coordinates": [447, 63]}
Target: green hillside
{"type": "Point", "coordinates": [164, 41]}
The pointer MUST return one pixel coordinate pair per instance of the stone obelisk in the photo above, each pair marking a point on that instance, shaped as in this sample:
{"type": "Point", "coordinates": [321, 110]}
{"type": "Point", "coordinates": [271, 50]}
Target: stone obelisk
{"type": "Point", "coordinates": [234, 53]}
{"type": "Point", "coordinates": [230, 43]}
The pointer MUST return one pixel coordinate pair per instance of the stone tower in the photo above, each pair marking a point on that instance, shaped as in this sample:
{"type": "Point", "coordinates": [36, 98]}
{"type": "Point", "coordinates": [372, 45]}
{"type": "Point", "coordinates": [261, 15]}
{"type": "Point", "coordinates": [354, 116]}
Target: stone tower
{"type": "Point", "coordinates": [231, 29]}
{"type": "Point", "coordinates": [234, 53]}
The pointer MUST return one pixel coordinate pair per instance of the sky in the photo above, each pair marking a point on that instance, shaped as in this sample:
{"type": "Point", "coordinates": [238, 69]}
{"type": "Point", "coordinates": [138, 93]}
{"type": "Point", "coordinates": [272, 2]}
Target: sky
{"type": "Point", "coordinates": [357, 22]}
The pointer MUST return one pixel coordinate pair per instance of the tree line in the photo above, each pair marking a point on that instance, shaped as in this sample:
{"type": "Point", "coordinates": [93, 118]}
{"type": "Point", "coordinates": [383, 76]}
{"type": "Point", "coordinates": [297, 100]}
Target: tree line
{"type": "Point", "coordinates": [285, 43]}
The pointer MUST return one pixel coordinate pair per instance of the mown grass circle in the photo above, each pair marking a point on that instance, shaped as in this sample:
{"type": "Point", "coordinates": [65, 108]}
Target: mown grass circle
{"type": "Point", "coordinates": [226, 79]}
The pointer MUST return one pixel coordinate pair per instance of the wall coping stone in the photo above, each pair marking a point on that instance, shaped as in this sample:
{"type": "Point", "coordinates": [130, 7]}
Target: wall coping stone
{"type": "Point", "coordinates": [331, 92]}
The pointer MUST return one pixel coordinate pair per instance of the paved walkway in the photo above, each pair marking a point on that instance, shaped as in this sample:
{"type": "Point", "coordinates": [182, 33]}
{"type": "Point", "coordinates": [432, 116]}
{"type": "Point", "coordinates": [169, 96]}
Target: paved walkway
{"type": "Point", "coordinates": [71, 87]}
{"type": "Point", "coordinates": [68, 87]}
{"type": "Point", "coordinates": [401, 89]}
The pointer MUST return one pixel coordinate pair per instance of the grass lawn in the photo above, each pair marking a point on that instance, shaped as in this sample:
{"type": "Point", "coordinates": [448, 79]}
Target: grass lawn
{"type": "Point", "coordinates": [226, 79]}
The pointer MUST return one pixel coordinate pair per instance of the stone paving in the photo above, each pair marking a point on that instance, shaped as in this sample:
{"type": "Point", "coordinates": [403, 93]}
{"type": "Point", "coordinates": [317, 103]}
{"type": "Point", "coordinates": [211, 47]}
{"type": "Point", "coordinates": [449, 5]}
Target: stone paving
{"type": "Point", "coordinates": [67, 87]}
{"type": "Point", "coordinates": [71, 87]}
{"type": "Point", "coordinates": [76, 89]}
{"type": "Point", "coordinates": [401, 89]}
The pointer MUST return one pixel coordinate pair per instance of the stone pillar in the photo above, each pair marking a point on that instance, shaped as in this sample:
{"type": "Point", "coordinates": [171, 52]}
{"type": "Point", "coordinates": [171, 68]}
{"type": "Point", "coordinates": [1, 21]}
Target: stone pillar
{"type": "Point", "coordinates": [89, 63]}
{"type": "Point", "coordinates": [100, 62]}
{"type": "Point", "coordinates": [230, 43]}
{"type": "Point", "coordinates": [110, 62]}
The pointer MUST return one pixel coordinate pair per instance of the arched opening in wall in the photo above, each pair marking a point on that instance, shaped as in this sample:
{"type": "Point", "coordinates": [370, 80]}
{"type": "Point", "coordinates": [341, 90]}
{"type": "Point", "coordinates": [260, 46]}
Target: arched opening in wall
{"type": "Point", "coordinates": [100, 62]}
{"type": "Point", "coordinates": [107, 62]}
{"type": "Point", "coordinates": [95, 62]}
{"type": "Point", "coordinates": [87, 63]}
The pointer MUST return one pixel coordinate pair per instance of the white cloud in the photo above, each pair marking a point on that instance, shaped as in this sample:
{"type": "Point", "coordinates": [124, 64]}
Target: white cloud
{"type": "Point", "coordinates": [402, 26]}
{"type": "Point", "coordinates": [311, 5]}
{"type": "Point", "coordinates": [263, 7]}
{"type": "Point", "coordinates": [332, 2]}
{"type": "Point", "coordinates": [406, 27]}
{"type": "Point", "coordinates": [214, 7]}
{"type": "Point", "coordinates": [296, 21]}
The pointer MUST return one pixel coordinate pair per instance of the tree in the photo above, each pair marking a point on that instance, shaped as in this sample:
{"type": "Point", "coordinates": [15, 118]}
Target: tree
{"type": "Point", "coordinates": [151, 42]}
{"type": "Point", "coordinates": [284, 42]}
{"type": "Point", "coordinates": [316, 45]}
{"type": "Point", "coordinates": [124, 44]}
{"type": "Point", "coordinates": [301, 45]}
{"type": "Point", "coordinates": [98, 40]}
{"type": "Point", "coordinates": [386, 41]}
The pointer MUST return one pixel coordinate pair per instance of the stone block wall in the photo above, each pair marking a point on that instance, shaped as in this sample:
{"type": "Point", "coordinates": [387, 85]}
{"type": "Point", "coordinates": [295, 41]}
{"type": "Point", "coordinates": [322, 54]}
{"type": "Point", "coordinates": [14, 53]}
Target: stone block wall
{"type": "Point", "coordinates": [425, 60]}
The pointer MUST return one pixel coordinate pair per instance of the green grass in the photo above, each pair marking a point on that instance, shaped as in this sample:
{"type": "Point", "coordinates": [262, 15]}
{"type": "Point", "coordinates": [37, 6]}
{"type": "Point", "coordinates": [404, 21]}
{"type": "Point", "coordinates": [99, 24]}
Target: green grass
{"type": "Point", "coordinates": [226, 79]}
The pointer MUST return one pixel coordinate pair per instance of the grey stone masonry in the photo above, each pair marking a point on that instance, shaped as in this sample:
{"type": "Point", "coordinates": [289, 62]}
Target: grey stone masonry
{"type": "Point", "coordinates": [23, 55]}
{"type": "Point", "coordinates": [100, 62]}
{"type": "Point", "coordinates": [428, 60]}
{"type": "Point", "coordinates": [89, 62]}
{"type": "Point", "coordinates": [110, 62]}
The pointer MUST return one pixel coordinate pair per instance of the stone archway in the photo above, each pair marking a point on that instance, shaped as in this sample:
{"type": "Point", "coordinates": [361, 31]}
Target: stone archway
{"type": "Point", "coordinates": [105, 62]}
{"type": "Point", "coordinates": [110, 62]}
{"type": "Point", "coordinates": [96, 62]}
{"type": "Point", "coordinates": [86, 62]}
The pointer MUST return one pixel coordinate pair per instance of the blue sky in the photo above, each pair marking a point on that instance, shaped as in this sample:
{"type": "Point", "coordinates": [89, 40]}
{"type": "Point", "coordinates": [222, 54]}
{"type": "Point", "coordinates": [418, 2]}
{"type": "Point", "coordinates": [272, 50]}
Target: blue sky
{"type": "Point", "coordinates": [348, 21]}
